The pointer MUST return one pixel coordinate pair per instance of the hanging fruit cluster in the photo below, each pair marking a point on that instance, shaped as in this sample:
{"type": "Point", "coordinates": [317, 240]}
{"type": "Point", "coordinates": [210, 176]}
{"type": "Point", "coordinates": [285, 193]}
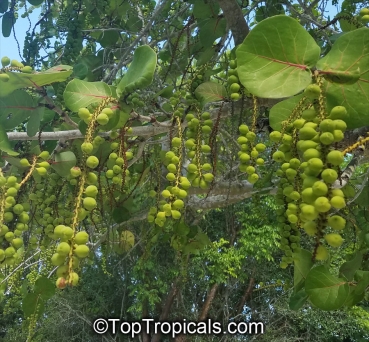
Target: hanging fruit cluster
{"type": "Point", "coordinates": [309, 169]}
{"type": "Point", "coordinates": [233, 82]}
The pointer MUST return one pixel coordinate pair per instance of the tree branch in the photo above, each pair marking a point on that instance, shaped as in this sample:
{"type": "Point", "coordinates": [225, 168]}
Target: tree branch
{"type": "Point", "coordinates": [235, 19]}
{"type": "Point", "coordinates": [208, 301]}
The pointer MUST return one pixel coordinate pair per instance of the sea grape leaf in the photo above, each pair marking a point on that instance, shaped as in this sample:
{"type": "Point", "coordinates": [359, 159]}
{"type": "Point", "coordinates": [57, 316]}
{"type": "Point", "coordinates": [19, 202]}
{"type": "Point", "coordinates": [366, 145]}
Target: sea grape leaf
{"type": "Point", "coordinates": [282, 111]}
{"type": "Point", "coordinates": [140, 73]}
{"type": "Point", "coordinates": [275, 58]}
{"type": "Point", "coordinates": [302, 265]}
{"type": "Point", "coordinates": [297, 300]}
{"type": "Point", "coordinates": [348, 57]}
{"type": "Point", "coordinates": [31, 304]}
{"type": "Point", "coordinates": [348, 268]}
{"type": "Point", "coordinates": [211, 29]}
{"type": "Point", "coordinates": [205, 9]}
{"type": "Point", "coordinates": [4, 6]}
{"type": "Point", "coordinates": [44, 287]}
{"type": "Point", "coordinates": [210, 92]}
{"type": "Point", "coordinates": [120, 215]}
{"type": "Point", "coordinates": [7, 23]}
{"type": "Point", "coordinates": [326, 291]}
{"type": "Point", "coordinates": [33, 123]}
{"type": "Point", "coordinates": [35, 2]}
{"type": "Point", "coordinates": [64, 161]}
{"type": "Point", "coordinates": [16, 108]}
{"type": "Point", "coordinates": [5, 144]}
{"type": "Point", "coordinates": [80, 93]}
{"type": "Point", "coordinates": [19, 80]}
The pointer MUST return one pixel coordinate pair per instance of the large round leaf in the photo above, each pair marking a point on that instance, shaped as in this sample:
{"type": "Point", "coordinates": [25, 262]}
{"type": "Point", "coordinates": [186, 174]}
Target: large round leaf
{"type": "Point", "coordinates": [274, 59]}
{"type": "Point", "coordinates": [348, 57]}
{"type": "Point", "coordinates": [141, 71]}
{"type": "Point", "coordinates": [326, 291]}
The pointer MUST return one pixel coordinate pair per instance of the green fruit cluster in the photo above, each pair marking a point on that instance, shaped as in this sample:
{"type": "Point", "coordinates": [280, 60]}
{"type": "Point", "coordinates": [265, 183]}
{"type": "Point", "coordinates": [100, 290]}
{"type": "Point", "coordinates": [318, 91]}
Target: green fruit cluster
{"type": "Point", "coordinates": [233, 82]}
{"type": "Point", "coordinates": [249, 155]}
{"type": "Point", "coordinates": [309, 167]}
{"type": "Point", "coordinates": [14, 220]}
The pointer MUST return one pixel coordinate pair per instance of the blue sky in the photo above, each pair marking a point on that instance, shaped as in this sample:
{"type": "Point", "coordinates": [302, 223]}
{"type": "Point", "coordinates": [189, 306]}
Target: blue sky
{"type": "Point", "coordinates": [8, 46]}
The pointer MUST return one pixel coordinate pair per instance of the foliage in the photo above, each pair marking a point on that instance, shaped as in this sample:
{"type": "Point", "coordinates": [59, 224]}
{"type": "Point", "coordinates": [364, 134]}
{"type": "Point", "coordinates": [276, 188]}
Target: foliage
{"type": "Point", "coordinates": [134, 158]}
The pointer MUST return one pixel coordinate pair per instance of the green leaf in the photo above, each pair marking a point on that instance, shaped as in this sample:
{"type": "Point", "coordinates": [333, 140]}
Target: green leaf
{"type": "Point", "coordinates": [5, 144]}
{"type": "Point", "coordinates": [211, 29]}
{"type": "Point", "coordinates": [326, 291]}
{"type": "Point", "coordinates": [166, 92]}
{"type": "Point", "coordinates": [302, 265]}
{"type": "Point", "coordinates": [210, 92]}
{"type": "Point", "coordinates": [134, 23]}
{"type": "Point", "coordinates": [182, 229]}
{"type": "Point", "coordinates": [16, 108]}
{"type": "Point", "coordinates": [140, 73]}
{"type": "Point", "coordinates": [203, 239]}
{"type": "Point", "coordinates": [282, 111]}
{"type": "Point", "coordinates": [80, 70]}
{"type": "Point", "coordinates": [4, 6]}
{"type": "Point", "coordinates": [64, 161]}
{"type": "Point", "coordinates": [205, 9]}
{"type": "Point", "coordinates": [121, 214]}
{"type": "Point", "coordinates": [35, 2]}
{"type": "Point", "coordinates": [31, 303]}
{"type": "Point", "coordinates": [362, 277]}
{"type": "Point", "coordinates": [354, 297]}
{"type": "Point", "coordinates": [349, 55]}
{"type": "Point", "coordinates": [44, 287]}
{"type": "Point", "coordinates": [7, 23]}
{"type": "Point", "coordinates": [80, 93]}
{"type": "Point", "coordinates": [297, 300]}
{"type": "Point", "coordinates": [275, 57]}
{"type": "Point", "coordinates": [33, 124]}
{"type": "Point", "coordinates": [348, 269]}
{"type": "Point", "coordinates": [205, 56]}
{"type": "Point", "coordinates": [108, 38]}
{"type": "Point", "coordinates": [22, 80]}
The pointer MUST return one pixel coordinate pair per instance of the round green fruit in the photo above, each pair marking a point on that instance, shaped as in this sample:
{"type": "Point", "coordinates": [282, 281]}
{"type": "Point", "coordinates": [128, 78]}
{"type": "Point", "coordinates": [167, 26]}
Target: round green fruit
{"type": "Point", "coordinates": [91, 191]}
{"type": "Point", "coordinates": [363, 11]}
{"type": "Point", "coordinates": [334, 239]}
{"type": "Point", "coordinates": [57, 259]}
{"type": "Point", "coordinates": [335, 157]}
{"type": "Point", "coordinates": [87, 147]}
{"type": "Point", "coordinates": [278, 156]}
{"type": "Point", "coordinates": [102, 119]}
{"type": "Point", "coordinates": [329, 175]}
{"type": "Point", "coordinates": [312, 91]}
{"type": "Point", "coordinates": [275, 136]}
{"type": "Point", "coordinates": [234, 88]}
{"type": "Point", "coordinates": [5, 61]}
{"type": "Point", "coordinates": [338, 113]}
{"type": "Point", "coordinates": [81, 251]}
{"type": "Point", "coordinates": [92, 162]}
{"type": "Point", "coordinates": [338, 202]}
{"type": "Point", "coordinates": [336, 222]}
{"type": "Point", "coordinates": [310, 228]}
{"type": "Point", "coordinates": [243, 129]}
{"type": "Point", "coordinates": [321, 253]}
{"type": "Point", "coordinates": [320, 188]}
{"type": "Point", "coordinates": [326, 138]}
{"type": "Point", "coordinates": [63, 249]}
{"type": "Point", "coordinates": [89, 203]}
{"type": "Point", "coordinates": [322, 204]}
